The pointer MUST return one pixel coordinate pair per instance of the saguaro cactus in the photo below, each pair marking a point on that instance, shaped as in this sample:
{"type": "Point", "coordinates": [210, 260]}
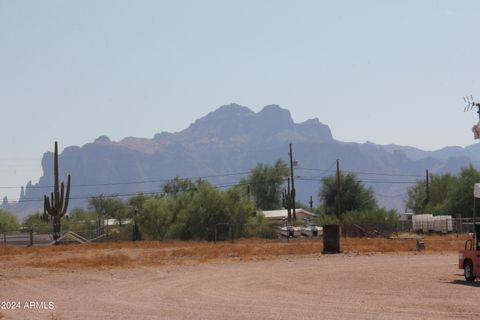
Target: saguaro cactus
{"type": "Point", "coordinates": [57, 204]}
{"type": "Point", "coordinates": [287, 203]}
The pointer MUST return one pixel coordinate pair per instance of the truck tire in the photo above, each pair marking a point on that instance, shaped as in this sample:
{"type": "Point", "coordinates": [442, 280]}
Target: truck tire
{"type": "Point", "coordinates": [468, 271]}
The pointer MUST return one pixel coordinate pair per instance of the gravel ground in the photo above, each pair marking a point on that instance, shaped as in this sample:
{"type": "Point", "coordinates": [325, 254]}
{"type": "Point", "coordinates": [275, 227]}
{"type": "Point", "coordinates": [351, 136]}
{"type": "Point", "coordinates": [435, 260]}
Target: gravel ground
{"type": "Point", "coordinates": [376, 286]}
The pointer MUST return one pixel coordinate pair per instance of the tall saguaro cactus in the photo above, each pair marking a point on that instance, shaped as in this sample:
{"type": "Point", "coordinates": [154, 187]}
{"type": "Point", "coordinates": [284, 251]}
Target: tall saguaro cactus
{"type": "Point", "coordinates": [57, 204]}
{"type": "Point", "coordinates": [287, 204]}
{"type": "Point", "coordinates": [287, 201]}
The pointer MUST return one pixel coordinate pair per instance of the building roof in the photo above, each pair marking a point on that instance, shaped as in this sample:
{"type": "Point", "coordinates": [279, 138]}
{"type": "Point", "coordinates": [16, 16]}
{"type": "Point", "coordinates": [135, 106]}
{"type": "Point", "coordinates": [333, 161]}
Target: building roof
{"type": "Point", "coordinates": [280, 214]}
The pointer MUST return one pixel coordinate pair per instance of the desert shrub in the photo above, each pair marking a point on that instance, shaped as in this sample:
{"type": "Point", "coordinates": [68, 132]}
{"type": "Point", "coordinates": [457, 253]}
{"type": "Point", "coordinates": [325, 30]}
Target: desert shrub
{"type": "Point", "coordinates": [258, 226]}
{"type": "Point", "coordinates": [191, 210]}
{"type": "Point", "coordinates": [324, 219]}
{"type": "Point", "coordinates": [355, 195]}
{"type": "Point", "coordinates": [155, 218]}
{"type": "Point", "coordinates": [378, 220]}
{"type": "Point", "coordinates": [8, 221]}
{"type": "Point", "coordinates": [35, 221]}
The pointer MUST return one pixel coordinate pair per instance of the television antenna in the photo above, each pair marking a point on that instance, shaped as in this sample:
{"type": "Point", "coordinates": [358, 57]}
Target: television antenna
{"type": "Point", "coordinates": [469, 105]}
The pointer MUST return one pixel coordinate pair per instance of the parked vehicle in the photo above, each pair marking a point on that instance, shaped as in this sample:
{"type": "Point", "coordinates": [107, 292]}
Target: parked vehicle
{"type": "Point", "coordinates": [311, 230]}
{"type": "Point", "coordinates": [286, 231]}
{"type": "Point", "coordinates": [469, 259]}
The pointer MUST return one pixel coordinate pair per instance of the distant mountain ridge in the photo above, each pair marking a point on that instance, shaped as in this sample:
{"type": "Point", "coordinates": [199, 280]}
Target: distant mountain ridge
{"type": "Point", "coordinates": [232, 140]}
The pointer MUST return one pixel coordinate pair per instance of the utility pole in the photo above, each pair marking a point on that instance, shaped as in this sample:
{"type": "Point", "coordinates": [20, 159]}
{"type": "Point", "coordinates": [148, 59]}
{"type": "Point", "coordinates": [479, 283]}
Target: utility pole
{"type": "Point", "coordinates": [288, 201]}
{"type": "Point", "coordinates": [427, 191]}
{"type": "Point", "coordinates": [293, 184]}
{"type": "Point", "coordinates": [428, 186]}
{"type": "Point", "coordinates": [339, 191]}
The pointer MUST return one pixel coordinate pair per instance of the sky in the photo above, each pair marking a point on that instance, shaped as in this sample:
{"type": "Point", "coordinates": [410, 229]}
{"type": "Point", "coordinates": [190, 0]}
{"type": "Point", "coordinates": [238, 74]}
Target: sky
{"type": "Point", "coordinates": [381, 71]}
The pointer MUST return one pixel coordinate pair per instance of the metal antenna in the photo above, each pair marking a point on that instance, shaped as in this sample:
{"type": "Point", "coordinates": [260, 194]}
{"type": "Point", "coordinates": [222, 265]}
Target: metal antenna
{"type": "Point", "coordinates": [470, 104]}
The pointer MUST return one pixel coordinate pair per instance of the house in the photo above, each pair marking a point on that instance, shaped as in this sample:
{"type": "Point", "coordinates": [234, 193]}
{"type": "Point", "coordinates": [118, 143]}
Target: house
{"type": "Point", "coordinates": [407, 216]}
{"type": "Point", "coordinates": [283, 214]}
{"type": "Point", "coordinates": [115, 222]}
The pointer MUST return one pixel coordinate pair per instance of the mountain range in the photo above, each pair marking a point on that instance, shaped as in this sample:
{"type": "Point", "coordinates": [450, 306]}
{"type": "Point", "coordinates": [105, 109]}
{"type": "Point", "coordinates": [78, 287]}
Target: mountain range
{"type": "Point", "coordinates": [224, 145]}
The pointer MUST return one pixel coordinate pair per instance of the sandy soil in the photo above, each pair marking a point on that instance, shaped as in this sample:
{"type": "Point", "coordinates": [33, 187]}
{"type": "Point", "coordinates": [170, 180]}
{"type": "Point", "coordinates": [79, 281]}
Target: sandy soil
{"type": "Point", "coordinates": [345, 286]}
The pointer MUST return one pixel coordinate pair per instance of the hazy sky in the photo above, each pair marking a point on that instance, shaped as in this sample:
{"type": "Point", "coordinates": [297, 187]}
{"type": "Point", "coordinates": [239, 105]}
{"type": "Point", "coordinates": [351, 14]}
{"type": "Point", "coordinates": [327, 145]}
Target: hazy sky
{"type": "Point", "coordinates": [383, 71]}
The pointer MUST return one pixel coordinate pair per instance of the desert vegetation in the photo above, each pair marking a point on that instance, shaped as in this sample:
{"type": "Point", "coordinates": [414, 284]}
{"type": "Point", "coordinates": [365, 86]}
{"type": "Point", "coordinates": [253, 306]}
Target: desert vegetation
{"type": "Point", "coordinates": [148, 253]}
{"type": "Point", "coordinates": [448, 193]}
{"type": "Point", "coordinates": [189, 210]}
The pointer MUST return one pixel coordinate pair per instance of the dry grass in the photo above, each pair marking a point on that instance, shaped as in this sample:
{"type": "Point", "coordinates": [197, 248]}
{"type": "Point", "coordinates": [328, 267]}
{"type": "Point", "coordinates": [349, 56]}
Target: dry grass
{"type": "Point", "coordinates": [145, 253]}
{"type": "Point", "coordinates": [93, 260]}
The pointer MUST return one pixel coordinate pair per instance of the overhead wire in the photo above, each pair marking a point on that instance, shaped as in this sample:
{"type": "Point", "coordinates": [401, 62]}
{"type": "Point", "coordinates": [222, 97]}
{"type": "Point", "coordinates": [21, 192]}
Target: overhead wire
{"type": "Point", "coordinates": [131, 182]}
{"type": "Point", "coordinates": [365, 173]}
{"type": "Point", "coordinates": [302, 178]}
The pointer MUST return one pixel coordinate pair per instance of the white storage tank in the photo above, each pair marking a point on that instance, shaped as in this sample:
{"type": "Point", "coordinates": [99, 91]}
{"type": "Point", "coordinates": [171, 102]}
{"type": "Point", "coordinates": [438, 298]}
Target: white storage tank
{"type": "Point", "coordinates": [423, 222]}
{"type": "Point", "coordinates": [443, 224]}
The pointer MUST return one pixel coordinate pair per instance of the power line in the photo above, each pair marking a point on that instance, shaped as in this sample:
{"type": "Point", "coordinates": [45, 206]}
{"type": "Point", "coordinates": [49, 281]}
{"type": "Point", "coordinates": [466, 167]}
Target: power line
{"type": "Point", "coordinates": [365, 173]}
{"type": "Point", "coordinates": [131, 182]}
{"type": "Point", "coordinates": [149, 192]}
{"type": "Point", "coordinates": [390, 195]}
{"type": "Point", "coordinates": [205, 177]}
{"type": "Point", "coordinates": [315, 178]}
{"type": "Point", "coordinates": [226, 185]}
{"type": "Point", "coordinates": [364, 181]}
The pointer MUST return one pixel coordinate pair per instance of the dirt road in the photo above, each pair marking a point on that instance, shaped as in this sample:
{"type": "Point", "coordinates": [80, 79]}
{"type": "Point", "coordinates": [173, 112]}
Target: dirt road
{"type": "Point", "coordinates": [381, 286]}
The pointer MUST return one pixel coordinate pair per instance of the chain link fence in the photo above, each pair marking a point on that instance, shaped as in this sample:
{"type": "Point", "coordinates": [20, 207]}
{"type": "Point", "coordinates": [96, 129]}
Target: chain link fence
{"type": "Point", "coordinates": [92, 231]}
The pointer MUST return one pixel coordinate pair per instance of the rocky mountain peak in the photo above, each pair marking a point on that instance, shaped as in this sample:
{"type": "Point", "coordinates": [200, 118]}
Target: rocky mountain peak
{"type": "Point", "coordinates": [102, 140]}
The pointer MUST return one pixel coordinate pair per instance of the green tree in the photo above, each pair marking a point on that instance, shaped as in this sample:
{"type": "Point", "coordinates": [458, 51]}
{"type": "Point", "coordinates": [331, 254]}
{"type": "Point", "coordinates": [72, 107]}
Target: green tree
{"type": "Point", "coordinates": [80, 220]}
{"type": "Point", "coordinates": [206, 207]}
{"type": "Point", "coordinates": [239, 208]}
{"type": "Point", "coordinates": [8, 221]}
{"type": "Point", "coordinates": [107, 207]}
{"type": "Point", "coordinates": [379, 216]}
{"type": "Point", "coordinates": [266, 184]}
{"type": "Point", "coordinates": [461, 197]}
{"type": "Point", "coordinates": [354, 195]}
{"type": "Point", "coordinates": [441, 188]}
{"type": "Point", "coordinates": [80, 215]}
{"type": "Point", "coordinates": [195, 213]}
{"type": "Point", "coordinates": [137, 201]}
{"type": "Point", "coordinates": [35, 220]}
{"type": "Point", "coordinates": [177, 186]}
{"type": "Point", "coordinates": [416, 197]}
{"type": "Point", "coordinates": [448, 194]}
{"type": "Point", "coordinates": [154, 218]}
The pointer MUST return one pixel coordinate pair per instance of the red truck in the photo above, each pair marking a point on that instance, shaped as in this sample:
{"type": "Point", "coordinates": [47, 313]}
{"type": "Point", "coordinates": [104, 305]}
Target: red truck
{"type": "Point", "coordinates": [469, 259]}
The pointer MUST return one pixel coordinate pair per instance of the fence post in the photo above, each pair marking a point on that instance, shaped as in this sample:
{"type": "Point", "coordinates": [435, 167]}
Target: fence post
{"type": "Point", "coordinates": [4, 237]}
{"type": "Point", "coordinates": [31, 237]}
{"type": "Point", "coordinates": [459, 223]}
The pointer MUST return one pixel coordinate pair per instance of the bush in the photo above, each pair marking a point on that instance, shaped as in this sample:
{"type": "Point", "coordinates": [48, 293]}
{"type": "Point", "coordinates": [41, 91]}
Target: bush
{"type": "Point", "coordinates": [8, 221]}
{"type": "Point", "coordinates": [377, 220]}
{"type": "Point", "coordinates": [325, 219]}
{"type": "Point", "coordinates": [193, 213]}
{"type": "Point", "coordinates": [155, 218]}
{"type": "Point", "coordinates": [35, 221]}
{"type": "Point", "coordinates": [258, 226]}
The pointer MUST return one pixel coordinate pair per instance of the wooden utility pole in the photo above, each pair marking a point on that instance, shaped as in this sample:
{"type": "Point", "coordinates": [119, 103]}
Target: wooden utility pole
{"type": "Point", "coordinates": [289, 200]}
{"type": "Point", "coordinates": [428, 187]}
{"type": "Point", "coordinates": [427, 191]}
{"type": "Point", "coordinates": [294, 214]}
{"type": "Point", "coordinates": [339, 192]}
